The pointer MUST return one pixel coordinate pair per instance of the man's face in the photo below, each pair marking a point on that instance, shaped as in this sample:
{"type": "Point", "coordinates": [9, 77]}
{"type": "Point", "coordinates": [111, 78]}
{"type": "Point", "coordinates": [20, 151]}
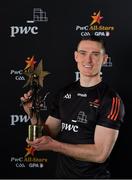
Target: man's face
{"type": "Point", "coordinates": [89, 57]}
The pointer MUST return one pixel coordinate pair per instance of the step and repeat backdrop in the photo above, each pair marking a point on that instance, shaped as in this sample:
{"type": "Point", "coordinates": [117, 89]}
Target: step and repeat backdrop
{"type": "Point", "coordinates": [48, 30]}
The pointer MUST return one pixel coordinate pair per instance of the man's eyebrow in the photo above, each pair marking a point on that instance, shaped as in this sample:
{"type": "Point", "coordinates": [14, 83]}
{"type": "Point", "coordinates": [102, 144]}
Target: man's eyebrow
{"type": "Point", "coordinates": [87, 51]}
{"type": "Point", "coordinates": [81, 50]}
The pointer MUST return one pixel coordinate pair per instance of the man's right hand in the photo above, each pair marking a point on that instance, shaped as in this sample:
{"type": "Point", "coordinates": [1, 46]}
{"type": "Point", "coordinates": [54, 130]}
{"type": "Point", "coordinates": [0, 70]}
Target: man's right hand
{"type": "Point", "coordinates": [26, 101]}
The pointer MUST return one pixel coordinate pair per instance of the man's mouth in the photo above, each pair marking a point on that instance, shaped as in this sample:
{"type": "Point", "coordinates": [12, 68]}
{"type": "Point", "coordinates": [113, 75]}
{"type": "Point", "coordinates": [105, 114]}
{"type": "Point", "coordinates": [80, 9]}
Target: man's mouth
{"type": "Point", "coordinates": [87, 66]}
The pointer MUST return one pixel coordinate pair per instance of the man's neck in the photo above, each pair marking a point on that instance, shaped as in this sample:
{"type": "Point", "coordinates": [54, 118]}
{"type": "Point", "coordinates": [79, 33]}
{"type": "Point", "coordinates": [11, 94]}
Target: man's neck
{"type": "Point", "coordinates": [86, 81]}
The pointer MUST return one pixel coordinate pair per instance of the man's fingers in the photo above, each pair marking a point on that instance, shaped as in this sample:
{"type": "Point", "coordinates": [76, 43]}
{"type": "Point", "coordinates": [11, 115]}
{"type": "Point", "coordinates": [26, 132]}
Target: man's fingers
{"type": "Point", "coordinates": [26, 97]}
{"type": "Point", "coordinates": [29, 93]}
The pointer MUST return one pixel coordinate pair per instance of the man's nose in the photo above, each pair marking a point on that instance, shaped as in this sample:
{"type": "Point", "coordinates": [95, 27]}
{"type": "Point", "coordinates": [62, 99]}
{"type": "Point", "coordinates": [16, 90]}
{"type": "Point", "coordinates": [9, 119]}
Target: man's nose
{"type": "Point", "coordinates": [88, 57]}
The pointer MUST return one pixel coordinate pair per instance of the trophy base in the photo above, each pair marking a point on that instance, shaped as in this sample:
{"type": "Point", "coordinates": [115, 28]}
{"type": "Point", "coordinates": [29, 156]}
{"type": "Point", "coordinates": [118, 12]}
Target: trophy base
{"type": "Point", "coordinates": [35, 131]}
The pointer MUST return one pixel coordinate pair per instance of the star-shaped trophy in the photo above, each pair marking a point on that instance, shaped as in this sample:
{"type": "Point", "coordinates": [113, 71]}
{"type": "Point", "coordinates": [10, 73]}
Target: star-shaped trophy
{"type": "Point", "coordinates": [35, 76]}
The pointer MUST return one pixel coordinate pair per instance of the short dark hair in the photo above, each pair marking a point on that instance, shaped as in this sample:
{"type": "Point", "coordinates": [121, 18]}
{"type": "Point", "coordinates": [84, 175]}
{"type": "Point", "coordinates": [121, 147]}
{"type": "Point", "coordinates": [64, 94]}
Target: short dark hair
{"type": "Point", "coordinates": [93, 38]}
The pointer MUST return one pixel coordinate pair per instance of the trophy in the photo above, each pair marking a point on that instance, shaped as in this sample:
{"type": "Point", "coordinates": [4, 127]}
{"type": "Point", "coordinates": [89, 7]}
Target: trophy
{"type": "Point", "coordinates": [35, 76]}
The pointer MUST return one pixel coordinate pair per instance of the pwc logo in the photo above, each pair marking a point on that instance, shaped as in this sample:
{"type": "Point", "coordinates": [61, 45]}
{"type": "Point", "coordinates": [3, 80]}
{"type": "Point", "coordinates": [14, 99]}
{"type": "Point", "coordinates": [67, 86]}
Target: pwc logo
{"type": "Point", "coordinates": [38, 16]}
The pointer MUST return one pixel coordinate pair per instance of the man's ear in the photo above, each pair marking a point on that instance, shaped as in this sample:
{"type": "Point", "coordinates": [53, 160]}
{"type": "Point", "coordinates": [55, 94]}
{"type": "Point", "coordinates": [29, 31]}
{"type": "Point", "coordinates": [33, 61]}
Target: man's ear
{"type": "Point", "coordinates": [75, 56]}
{"type": "Point", "coordinates": [105, 59]}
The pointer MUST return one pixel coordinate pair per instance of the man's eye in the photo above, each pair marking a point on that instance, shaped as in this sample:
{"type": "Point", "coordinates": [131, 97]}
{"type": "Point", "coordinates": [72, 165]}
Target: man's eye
{"type": "Point", "coordinates": [82, 53]}
{"type": "Point", "coordinates": [95, 54]}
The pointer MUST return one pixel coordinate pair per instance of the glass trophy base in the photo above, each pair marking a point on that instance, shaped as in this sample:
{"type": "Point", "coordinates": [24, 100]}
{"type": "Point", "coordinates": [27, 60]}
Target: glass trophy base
{"type": "Point", "coordinates": [35, 131]}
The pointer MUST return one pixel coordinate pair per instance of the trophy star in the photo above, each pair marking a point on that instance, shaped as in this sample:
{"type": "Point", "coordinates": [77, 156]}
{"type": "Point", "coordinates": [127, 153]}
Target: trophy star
{"type": "Point", "coordinates": [36, 74]}
{"type": "Point", "coordinates": [28, 82]}
{"type": "Point", "coordinates": [30, 63]}
{"type": "Point", "coordinates": [28, 73]}
{"type": "Point", "coordinates": [41, 77]}
{"type": "Point", "coordinates": [40, 73]}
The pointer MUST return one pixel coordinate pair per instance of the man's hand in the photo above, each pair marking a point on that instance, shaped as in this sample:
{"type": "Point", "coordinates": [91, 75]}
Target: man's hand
{"type": "Point", "coordinates": [26, 100]}
{"type": "Point", "coordinates": [43, 143]}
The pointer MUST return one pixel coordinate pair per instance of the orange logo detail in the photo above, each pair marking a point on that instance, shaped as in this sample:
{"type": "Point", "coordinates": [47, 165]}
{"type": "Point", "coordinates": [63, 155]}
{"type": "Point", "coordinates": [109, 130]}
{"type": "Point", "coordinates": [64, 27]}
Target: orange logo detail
{"type": "Point", "coordinates": [96, 18]}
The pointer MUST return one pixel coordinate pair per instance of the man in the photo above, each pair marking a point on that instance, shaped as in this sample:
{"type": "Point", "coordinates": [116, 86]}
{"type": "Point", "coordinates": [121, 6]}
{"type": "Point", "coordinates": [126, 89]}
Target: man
{"type": "Point", "coordinates": [86, 116]}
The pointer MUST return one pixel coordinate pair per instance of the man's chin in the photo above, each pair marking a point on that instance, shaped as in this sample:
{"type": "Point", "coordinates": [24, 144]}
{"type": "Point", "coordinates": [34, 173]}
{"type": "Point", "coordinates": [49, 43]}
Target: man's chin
{"type": "Point", "coordinates": [92, 74]}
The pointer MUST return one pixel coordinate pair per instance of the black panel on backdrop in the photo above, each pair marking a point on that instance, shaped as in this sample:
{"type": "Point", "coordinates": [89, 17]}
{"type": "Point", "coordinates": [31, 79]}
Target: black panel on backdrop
{"type": "Point", "coordinates": [48, 30]}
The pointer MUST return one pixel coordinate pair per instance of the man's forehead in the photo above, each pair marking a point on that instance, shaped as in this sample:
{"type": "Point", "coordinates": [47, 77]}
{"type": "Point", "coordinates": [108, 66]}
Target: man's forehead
{"type": "Point", "coordinates": [90, 45]}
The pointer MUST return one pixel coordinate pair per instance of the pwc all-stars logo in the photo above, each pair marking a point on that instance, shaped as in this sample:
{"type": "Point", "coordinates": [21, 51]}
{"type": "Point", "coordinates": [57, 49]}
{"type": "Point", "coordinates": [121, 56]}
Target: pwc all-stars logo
{"type": "Point", "coordinates": [29, 160]}
{"type": "Point", "coordinates": [96, 26]}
